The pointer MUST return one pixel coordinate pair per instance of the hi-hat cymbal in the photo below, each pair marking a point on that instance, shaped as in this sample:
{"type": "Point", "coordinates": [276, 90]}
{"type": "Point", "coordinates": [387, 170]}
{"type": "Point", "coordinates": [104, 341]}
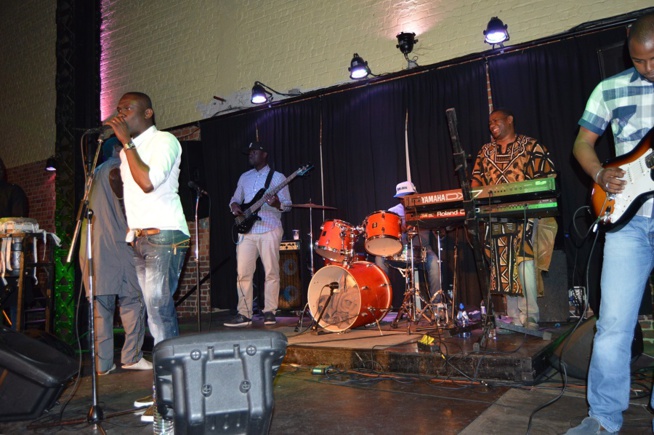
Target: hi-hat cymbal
{"type": "Point", "coordinates": [312, 205]}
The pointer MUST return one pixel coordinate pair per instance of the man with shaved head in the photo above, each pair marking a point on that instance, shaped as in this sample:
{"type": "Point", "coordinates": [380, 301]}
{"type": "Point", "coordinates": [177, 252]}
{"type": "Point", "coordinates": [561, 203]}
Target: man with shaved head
{"type": "Point", "coordinates": [626, 102]}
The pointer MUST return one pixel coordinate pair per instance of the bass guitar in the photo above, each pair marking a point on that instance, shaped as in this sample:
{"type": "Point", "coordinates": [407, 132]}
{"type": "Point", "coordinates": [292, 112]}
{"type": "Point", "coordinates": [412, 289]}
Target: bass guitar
{"type": "Point", "coordinates": [244, 223]}
{"type": "Point", "coordinates": [616, 209]}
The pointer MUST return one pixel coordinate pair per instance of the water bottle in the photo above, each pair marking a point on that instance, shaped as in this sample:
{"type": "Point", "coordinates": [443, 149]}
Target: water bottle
{"type": "Point", "coordinates": [463, 320]}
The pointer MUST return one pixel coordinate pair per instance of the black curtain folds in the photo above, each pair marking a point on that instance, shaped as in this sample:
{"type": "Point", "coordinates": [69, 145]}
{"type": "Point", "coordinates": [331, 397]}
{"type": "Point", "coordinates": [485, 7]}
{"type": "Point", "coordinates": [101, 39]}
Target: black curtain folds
{"type": "Point", "coordinates": [356, 140]}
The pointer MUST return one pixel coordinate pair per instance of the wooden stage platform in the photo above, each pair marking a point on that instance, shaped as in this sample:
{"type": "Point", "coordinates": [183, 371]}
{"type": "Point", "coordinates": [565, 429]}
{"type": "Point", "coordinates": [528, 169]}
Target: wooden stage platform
{"type": "Point", "coordinates": [511, 356]}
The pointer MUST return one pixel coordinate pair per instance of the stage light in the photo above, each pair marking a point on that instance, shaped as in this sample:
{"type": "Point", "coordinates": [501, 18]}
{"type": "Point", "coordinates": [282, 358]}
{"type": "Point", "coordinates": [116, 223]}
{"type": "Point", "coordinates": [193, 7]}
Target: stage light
{"type": "Point", "coordinates": [496, 32]}
{"type": "Point", "coordinates": [262, 93]}
{"type": "Point", "coordinates": [259, 94]}
{"type": "Point", "coordinates": [358, 68]}
{"type": "Point", "coordinates": [51, 164]}
{"type": "Point", "coordinates": [405, 42]}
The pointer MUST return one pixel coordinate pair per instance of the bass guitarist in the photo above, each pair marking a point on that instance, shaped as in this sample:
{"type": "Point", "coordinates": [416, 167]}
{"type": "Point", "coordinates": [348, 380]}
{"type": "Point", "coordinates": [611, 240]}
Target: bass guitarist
{"type": "Point", "coordinates": [263, 238]}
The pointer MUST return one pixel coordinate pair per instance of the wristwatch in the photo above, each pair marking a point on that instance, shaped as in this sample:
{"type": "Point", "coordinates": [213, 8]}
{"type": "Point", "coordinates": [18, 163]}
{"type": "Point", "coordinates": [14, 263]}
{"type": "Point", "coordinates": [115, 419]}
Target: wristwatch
{"type": "Point", "coordinates": [129, 145]}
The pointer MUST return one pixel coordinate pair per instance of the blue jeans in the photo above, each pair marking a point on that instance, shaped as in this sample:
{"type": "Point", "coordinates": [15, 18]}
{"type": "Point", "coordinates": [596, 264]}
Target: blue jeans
{"type": "Point", "coordinates": [628, 261]}
{"type": "Point", "coordinates": [159, 259]}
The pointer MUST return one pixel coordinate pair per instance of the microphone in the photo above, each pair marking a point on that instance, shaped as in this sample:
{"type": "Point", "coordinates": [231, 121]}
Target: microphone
{"type": "Point", "coordinates": [197, 188]}
{"type": "Point", "coordinates": [105, 130]}
{"type": "Point", "coordinates": [333, 285]}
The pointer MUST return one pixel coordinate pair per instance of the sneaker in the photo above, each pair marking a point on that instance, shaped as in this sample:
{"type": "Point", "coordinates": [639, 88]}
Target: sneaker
{"type": "Point", "coordinates": [113, 367]}
{"type": "Point", "coordinates": [588, 426]}
{"type": "Point", "coordinates": [269, 318]}
{"type": "Point", "coordinates": [148, 415]}
{"type": "Point", "coordinates": [142, 364]}
{"type": "Point", "coordinates": [144, 401]}
{"type": "Point", "coordinates": [239, 321]}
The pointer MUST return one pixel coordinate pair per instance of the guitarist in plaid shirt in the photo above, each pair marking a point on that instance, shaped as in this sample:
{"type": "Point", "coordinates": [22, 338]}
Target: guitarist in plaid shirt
{"type": "Point", "coordinates": [626, 103]}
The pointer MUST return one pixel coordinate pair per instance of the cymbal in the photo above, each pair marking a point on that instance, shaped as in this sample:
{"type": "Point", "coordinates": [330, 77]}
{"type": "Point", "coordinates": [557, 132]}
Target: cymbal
{"type": "Point", "coordinates": [312, 205]}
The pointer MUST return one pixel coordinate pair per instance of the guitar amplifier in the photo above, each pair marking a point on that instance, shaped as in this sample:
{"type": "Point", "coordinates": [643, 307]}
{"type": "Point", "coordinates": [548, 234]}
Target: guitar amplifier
{"type": "Point", "coordinates": [291, 294]}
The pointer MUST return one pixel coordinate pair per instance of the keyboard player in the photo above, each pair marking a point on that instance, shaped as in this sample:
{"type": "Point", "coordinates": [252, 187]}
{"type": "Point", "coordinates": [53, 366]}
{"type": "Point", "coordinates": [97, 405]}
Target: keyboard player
{"type": "Point", "coordinates": [513, 246]}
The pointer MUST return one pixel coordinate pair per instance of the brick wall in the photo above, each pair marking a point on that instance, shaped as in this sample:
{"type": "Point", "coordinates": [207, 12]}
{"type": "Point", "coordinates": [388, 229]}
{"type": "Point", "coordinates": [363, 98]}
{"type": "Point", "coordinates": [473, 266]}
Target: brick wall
{"type": "Point", "coordinates": [39, 186]}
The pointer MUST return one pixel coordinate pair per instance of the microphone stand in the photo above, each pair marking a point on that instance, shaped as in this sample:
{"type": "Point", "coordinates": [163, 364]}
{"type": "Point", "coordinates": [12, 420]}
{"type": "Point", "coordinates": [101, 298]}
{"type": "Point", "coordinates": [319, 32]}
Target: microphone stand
{"type": "Point", "coordinates": [95, 412]}
{"type": "Point", "coordinates": [332, 287]}
{"type": "Point", "coordinates": [197, 262]}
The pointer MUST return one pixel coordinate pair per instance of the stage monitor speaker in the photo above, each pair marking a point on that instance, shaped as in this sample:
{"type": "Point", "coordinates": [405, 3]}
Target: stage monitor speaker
{"type": "Point", "coordinates": [32, 376]}
{"type": "Point", "coordinates": [291, 291]}
{"type": "Point", "coordinates": [576, 355]}
{"type": "Point", "coordinates": [554, 306]}
{"type": "Point", "coordinates": [219, 381]}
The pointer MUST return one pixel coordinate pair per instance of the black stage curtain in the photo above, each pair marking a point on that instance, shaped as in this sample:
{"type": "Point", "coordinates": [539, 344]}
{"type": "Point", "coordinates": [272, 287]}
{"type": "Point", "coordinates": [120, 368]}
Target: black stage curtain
{"type": "Point", "coordinates": [356, 140]}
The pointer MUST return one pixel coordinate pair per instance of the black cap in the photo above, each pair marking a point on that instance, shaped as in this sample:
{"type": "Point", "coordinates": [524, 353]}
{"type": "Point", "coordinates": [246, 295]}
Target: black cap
{"type": "Point", "coordinates": [254, 146]}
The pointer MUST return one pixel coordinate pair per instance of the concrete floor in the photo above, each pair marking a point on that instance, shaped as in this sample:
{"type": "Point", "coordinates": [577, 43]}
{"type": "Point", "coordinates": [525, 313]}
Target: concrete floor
{"type": "Point", "coordinates": [357, 402]}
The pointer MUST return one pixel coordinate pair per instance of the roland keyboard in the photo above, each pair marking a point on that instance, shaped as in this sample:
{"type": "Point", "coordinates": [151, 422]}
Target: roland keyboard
{"type": "Point", "coordinates": [524, 199]}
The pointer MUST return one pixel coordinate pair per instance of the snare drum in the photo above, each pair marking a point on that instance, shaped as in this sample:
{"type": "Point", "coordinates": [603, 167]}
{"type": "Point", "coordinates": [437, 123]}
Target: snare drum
{"type": "Point", "coordinates": [383, 231]}
{"type": "Point", "coordinates": [403, 258]}
{"type": "Point", "coordinates": [357, 256]}
{"type": "Point", "coordinates": [364, 295]}
{"type": "Point", "coordinates": [336, 240]}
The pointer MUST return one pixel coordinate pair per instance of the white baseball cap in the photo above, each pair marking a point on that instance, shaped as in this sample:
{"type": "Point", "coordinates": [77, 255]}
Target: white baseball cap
{"type": "Point", "coordinates": [404, 188]}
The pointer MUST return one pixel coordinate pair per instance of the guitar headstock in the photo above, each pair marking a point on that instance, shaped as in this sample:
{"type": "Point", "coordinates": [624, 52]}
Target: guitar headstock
{"type": "Point", "coordinates": [304, 170]}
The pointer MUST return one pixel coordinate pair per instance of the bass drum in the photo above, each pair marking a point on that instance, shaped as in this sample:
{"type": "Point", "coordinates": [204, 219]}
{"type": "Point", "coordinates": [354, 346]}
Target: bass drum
{"type": "Point", "coordinates": [364, 294]}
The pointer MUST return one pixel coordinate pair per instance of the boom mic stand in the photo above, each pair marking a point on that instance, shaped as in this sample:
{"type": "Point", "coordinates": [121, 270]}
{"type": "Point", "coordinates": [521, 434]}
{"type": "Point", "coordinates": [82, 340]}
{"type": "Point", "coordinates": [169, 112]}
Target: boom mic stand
{"type": "Point", "coordinates": [198, 193]}
{"type": "Point", "coordinates": [472, 219]}
{"type": "Point", "coordinates": [95, 413]}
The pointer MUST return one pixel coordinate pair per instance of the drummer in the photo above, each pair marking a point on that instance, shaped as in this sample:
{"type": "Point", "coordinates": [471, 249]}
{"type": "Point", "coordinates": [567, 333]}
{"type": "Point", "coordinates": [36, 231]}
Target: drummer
{"type": "Point", "coordinates": [432, 265]}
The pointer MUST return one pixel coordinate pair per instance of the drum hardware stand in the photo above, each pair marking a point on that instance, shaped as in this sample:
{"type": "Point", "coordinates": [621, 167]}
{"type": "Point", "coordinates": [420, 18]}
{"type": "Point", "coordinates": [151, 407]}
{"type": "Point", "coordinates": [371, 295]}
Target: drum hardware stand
{"type": "Point", "coordinates": [440, 295]}
{"type": "Point", "coordinates": [313, 269]}
{"type": "Point", "coordinates": [412, 296]}
{"type": "Point", "coordinates": [371, 310]}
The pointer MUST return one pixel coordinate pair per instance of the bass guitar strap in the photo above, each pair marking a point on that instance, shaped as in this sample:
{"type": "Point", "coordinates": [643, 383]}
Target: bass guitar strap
{"type": "Point", "coordinates": [268, 179]}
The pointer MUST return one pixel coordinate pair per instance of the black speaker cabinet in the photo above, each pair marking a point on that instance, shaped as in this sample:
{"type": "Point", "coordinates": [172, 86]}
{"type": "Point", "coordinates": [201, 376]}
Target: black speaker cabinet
{"type": "Point", "coordinates": [291, 291]}
{"type": "Point", "coordinates": [32, 376]}
{"type": "Point", "coordinates": [576, 354]}
{"type": "Point", "coordinates": [218, 382]}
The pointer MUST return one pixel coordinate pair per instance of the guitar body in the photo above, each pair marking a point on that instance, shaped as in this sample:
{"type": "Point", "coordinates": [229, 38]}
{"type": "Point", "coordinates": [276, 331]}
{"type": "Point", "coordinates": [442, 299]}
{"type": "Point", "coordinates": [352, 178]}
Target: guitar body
{"type": "Point", "coordinates": [616, 209]}
{"type": "Point", "coordinates": [244, 223]}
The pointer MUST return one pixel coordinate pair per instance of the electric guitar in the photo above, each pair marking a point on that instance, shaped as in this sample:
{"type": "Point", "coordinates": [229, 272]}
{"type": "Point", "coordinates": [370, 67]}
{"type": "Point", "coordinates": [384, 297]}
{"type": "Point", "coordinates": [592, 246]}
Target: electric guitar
{"type": "Point", "coordinates": [244, 223]}
{"type": "Point", "coordinates": [616, 209]}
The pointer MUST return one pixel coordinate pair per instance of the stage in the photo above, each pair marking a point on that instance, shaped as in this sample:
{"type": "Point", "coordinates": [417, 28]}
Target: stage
{"type": "Point", "coordinates": [375, 379]}
{"type": "Point", "coordinates": [511, 356]}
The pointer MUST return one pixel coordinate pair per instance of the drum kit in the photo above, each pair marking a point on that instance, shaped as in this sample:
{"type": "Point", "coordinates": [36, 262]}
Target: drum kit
{"type": "Point", "coordinates": [349, 291]}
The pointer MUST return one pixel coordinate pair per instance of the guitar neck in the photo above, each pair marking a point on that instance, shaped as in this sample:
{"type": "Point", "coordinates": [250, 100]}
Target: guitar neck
{"type": "Point", "coordinates": [257, 205]}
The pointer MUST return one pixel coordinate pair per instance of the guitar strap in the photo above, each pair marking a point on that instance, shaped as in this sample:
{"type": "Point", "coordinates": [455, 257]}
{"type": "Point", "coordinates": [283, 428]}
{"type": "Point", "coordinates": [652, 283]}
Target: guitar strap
{"type": "Point", "coordinates": [268, 179]}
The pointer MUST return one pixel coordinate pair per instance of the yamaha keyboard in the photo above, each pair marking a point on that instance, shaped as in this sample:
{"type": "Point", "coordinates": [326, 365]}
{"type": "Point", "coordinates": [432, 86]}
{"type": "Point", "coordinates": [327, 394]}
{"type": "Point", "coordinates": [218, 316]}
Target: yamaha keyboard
{"type": "Point", "coordinates": [519, 200]}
